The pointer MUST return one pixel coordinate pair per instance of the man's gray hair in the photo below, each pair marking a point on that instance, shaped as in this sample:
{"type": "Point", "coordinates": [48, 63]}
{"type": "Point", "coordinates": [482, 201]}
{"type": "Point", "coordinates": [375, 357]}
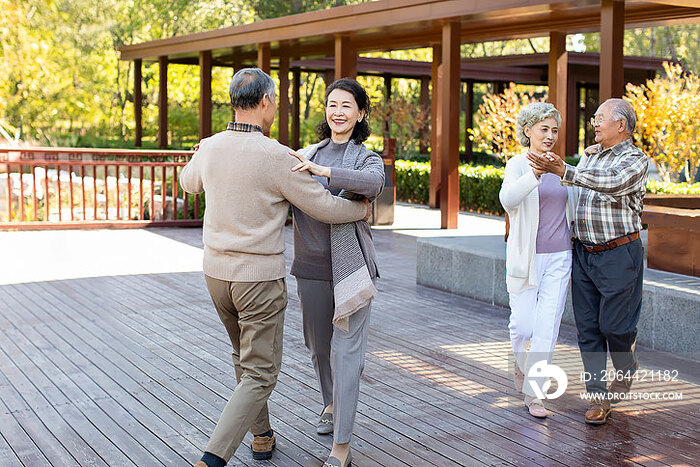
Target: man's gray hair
{"type": "Point", "coordinates": [620, 108]}
{"type": "Point", "coordinates": [532, 114]}
{"type": "Point", "coordinates": [249, 86]}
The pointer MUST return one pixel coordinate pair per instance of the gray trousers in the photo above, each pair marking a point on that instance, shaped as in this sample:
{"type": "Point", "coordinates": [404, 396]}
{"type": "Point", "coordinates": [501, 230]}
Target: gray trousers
{"type": "Point", "coordinates": [338, 357]}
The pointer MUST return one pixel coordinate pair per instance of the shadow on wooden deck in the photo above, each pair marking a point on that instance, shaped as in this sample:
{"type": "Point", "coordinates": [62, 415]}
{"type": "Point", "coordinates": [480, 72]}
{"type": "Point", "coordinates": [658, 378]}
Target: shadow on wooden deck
{"type": "Point", "coordinates": [135, 369]}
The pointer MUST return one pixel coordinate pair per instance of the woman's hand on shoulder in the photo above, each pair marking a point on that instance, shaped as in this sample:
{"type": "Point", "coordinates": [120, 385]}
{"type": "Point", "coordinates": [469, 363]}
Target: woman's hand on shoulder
{"type": "Point", "coordinates": [592, 149]}
{"type": "Point", "coordinates": [306, 165]}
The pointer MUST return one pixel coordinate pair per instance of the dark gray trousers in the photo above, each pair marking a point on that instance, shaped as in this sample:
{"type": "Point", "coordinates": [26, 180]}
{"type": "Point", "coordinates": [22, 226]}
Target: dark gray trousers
{"type": "Point", "coordinates": [607, 298]}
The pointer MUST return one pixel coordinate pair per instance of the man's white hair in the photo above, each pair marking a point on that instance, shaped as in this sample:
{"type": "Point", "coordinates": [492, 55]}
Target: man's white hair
{"type": "Point", "coordinates": [622, 109]}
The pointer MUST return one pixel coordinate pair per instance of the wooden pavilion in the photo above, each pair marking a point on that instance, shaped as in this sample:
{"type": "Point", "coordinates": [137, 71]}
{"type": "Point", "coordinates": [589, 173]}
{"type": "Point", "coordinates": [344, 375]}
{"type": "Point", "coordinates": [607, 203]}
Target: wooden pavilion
{"type": "Point", "coordinates": [498, 72]}
{"type": "Point", "coordinates": [344, 32]}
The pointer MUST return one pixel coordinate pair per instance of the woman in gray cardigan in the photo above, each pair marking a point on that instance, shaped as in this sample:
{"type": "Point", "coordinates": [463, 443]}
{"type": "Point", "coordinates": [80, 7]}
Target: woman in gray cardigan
{"type": "Point", "coordinates": [336, 303]}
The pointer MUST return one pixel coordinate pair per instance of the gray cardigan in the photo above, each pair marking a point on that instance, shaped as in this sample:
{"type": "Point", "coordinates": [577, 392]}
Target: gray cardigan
{"type": "Point", "coordinates": [367, 181]}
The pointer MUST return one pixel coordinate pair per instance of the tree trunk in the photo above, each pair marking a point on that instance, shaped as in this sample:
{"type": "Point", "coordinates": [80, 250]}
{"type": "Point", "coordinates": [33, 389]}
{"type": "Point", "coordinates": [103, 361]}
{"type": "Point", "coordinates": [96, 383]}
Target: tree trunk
{"type": "Point", "coordinates": [308, 93]}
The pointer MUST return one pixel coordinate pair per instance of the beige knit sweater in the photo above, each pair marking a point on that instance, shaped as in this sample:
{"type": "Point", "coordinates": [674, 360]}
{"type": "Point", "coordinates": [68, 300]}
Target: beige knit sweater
{"type": "Point", "coordinates": [248, 185]}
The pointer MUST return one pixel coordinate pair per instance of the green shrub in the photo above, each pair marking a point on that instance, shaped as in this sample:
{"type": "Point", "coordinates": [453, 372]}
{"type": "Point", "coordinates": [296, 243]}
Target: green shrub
{"type": "Point", "coordinates": [479, 186]}
{"type": "Point", "coordinates": [478, 158]}
{"type": "Point", "coordinates": [412, 181]}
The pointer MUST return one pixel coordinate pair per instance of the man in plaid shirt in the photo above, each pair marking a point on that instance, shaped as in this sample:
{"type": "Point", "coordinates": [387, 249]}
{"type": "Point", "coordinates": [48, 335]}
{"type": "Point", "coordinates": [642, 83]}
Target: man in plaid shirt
{"type": "Point", "coordinates": [608, 260]}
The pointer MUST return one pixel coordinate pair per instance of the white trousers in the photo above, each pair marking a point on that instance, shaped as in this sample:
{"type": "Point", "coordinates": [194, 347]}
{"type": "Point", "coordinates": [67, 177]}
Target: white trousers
{"type": "Point", "coordinates": [535, 314]}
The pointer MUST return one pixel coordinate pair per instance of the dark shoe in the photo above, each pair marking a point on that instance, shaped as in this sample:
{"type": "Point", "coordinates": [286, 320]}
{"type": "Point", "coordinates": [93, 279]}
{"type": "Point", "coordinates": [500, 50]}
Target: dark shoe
{"type": "Point", "coordinates": [263, 446]}
{"type": "Point", "coordinates": [619, 388]}
{"type": "Point", "coordinates": [335, 462]}
{"type": "Point", "coordinates": [325, 424]}
{"type": "Point", "coordinates": [598, 412]}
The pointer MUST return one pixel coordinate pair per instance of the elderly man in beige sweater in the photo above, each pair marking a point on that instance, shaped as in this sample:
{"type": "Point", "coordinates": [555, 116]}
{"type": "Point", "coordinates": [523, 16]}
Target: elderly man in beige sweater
{"type": "Point", "coordinates": [249, 185]}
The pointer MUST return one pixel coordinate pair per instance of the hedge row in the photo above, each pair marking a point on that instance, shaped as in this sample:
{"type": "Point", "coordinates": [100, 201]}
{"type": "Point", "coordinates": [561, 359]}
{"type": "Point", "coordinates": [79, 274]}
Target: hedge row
{"type": "Point", "coordinates": [479, 186]}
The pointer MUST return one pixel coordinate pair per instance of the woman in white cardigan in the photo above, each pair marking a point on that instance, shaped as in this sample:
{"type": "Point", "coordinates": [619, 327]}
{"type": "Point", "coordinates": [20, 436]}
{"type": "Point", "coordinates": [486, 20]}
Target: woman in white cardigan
{"type": "Point", "coordinates": [538, 253]}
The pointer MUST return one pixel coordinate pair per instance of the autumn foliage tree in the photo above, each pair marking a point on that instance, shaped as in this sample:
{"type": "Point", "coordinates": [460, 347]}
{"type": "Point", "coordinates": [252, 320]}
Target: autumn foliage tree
{"type": "Point", "coordinates": [668, 110]}
{"type": "Point", "coordinates": [494, 124]}
{"type": "Point", "coordinates": [407, 121]}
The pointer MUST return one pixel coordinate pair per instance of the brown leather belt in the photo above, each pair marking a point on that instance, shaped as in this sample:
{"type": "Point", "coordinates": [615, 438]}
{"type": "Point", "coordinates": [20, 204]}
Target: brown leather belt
{"type": "Point", "coordinates": [619, 241]}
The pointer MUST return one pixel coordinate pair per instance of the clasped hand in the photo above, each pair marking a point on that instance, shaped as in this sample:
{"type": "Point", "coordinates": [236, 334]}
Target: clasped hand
{"type": "Point", "coordinates": [546, 162]}
{"type": "Point", "coordinates": [321, 171]}
{"type": "Point", "coordinates": [306, 165]}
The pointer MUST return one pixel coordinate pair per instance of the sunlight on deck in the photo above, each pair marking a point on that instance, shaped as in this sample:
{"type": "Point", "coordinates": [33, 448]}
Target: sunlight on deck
{"type": "Point", "coordinates": [74, 254]}
{"type": "Point", "coordinates": [433, 373]}
{"type": "Point", "coordinates": [498, 355]}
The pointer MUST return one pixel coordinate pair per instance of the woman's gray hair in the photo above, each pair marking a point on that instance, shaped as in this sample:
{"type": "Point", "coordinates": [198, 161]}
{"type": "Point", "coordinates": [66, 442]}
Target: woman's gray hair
{"type": "Point", "coordinates": [619, 109]}
{"type": "Point", "coordinates": [532, 114]}
{"type": "Point", "coordinates": [249, 86]}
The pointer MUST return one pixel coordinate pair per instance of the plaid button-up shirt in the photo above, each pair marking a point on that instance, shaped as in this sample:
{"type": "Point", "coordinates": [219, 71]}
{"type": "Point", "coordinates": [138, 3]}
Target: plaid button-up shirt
{"type": "Point", "coordinates": [613, 183]}
{"type": "Point", "coordinates": [246, 127]}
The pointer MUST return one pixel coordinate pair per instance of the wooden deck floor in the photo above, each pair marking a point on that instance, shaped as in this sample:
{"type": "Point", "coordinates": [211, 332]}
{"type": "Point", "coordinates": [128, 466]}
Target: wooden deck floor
{"type": "Point", "coordinates": [135, 369]}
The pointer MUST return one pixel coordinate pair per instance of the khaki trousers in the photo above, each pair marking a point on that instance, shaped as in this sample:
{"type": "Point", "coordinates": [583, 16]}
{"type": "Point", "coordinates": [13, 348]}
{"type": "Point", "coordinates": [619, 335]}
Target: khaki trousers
{"type": "Point", "coordinates": [253, 314]}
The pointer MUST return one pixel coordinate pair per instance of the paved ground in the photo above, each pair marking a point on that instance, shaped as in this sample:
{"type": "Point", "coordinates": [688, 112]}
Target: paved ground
{"type": "Point", "coordinates": [111, 354]}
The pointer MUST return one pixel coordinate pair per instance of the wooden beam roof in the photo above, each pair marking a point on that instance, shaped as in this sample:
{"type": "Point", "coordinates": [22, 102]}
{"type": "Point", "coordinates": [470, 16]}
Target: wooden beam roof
{"type": "Point", "coordinates": [396, 24]}
{"type": "Point", "coordinates": [526, 68]}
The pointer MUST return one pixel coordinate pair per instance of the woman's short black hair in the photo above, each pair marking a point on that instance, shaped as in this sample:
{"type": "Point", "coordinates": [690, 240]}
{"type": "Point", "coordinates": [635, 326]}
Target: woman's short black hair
{"type": "Point", "coordinates": [361, 131]}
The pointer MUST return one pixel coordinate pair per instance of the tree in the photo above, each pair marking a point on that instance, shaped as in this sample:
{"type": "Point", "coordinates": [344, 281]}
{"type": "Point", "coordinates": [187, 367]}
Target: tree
{"type": "Point", "coordinates": [265, 9]}
{"type": "Point", "coordinates": [407, 120]}
{"type": "Point", "coordinates": [494, 125]}
{"type": "Point", "coordinates": [667, 111]}
{"type": "Point", "coordinates": [676, 42]}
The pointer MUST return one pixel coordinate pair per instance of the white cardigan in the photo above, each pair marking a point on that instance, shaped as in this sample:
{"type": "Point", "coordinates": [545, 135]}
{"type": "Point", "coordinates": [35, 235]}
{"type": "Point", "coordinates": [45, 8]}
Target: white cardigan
{"type": "Point", "coordinates": [520, 198]}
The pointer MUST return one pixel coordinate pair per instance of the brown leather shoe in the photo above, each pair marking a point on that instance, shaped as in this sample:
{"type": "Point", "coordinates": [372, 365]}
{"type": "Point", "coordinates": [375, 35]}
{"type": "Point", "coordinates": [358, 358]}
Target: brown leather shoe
{"type": "Point", "coordinates": [263, 446]}
{"type": "Point", "coordinates": [598, 412]}
{"type": "Point", "coordinates": [200, 464]}
{"type": "Point", "coordinates": [619, 388]}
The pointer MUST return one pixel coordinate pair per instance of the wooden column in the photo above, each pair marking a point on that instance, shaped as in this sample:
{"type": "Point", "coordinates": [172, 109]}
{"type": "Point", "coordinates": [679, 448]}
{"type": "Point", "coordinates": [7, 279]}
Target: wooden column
{"type": "Point", "coordinates": [296, 108]}
{"type": "Point", "coordinates": [283, 136]}
{"type": "Point", "coordinates": [425, 108]}
{"type": "Point", "coordinates": [449, 121]}
{"type": "Point", "coordinates": [435, 128]}
{"type": "Point", "coordinates": [558, 83]}
{"type": "Point", "coordinates": [589, 111]}
{"type": "Point", "coordinates": [329, 77]}
{"type": "Point", "coordinates": [345, 58]}
{"type": "Point", "coordinates": [138, 103]}
{"type": "Point", "coordinates": [612, 30]}
{"type": "Point", "coordinates": [163, 102]}
{"type": "Point", "coordinates": [572, 119]}
{"type": "Point", "coordinates": [204, 94]}
{"type": "Point", "coordinates": [236, 65]}
{"type": "Point", "coordinates": [498, 87]}
{"type": "Point", "coordinates": [387, 100]}
{"type": "Point", "coordinates": [468, 118]}
{"type": "Point", "coordinates": [264, 57]}
{"type": "Point", "coordinates": [264, 62]}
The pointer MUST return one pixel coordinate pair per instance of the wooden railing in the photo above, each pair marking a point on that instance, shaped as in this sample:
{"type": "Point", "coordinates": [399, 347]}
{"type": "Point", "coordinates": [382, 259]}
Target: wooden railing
{"type": "Point", "coordinates": [58, 188]}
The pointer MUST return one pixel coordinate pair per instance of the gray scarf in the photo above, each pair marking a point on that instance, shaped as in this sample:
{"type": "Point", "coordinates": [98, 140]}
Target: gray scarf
{"type": "Point", "coordinates": [353, 287]}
